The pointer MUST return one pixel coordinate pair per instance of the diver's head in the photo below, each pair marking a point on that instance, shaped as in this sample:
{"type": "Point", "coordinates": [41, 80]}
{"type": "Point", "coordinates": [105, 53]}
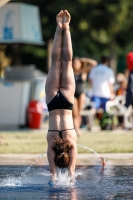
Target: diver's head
{"type": "Point", "coordinates": [61, 152]}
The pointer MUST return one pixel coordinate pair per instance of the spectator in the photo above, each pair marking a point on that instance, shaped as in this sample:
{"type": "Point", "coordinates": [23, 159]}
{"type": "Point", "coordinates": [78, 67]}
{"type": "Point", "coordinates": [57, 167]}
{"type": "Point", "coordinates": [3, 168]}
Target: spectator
{"type": "Point", "coordinates": [121, 91]}
{"type": "Point", "coordinates": [81, 67]}
{"type": "Point", "coordinates": [126, 73]}
{"type": "Point", "coordinates": [129, 95]}
{"type": "Point", "coordinates": [102, 79]}
{"type": "Point", "coordinates": [122, 81]}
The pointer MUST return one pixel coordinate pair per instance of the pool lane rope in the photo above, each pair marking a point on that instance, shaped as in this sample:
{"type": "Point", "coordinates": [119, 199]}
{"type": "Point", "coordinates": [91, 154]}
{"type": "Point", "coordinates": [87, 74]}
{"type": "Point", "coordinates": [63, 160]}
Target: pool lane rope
{"type": "Point", "coordinates": [101, 157]}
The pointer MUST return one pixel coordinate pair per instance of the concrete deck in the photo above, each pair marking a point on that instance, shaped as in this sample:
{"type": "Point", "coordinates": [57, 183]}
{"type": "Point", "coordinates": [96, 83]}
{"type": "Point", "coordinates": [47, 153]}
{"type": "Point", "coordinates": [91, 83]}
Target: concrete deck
{"type": "Point", "coordinates": [82, 159]}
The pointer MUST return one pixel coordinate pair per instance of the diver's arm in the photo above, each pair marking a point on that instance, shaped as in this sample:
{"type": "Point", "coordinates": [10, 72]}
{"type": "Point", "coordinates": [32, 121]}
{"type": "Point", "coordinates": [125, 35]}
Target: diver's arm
{"type": "Point", "coordinates": [72, 162]}
{"type": "Point", "coordinates": [52, 166]}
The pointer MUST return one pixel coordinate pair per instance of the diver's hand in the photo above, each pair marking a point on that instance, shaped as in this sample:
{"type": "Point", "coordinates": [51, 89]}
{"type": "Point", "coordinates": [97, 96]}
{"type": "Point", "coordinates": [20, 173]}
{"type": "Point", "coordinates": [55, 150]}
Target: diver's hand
{"type": "Point", "coordinates": [72, 182]}
{"type": "Point", "coordinates": [52, 183]}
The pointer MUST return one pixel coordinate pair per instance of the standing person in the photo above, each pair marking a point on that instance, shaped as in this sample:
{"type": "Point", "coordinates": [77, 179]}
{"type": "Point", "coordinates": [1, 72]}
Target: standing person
{"type": "Point", "coordinates": [81, 67]}
{"type": "Point", "coordinates": [129, 94]}
{"type": "Point", "coordinates": [102, 79]}
{"type": "Point", "coordinates": [60, 88]}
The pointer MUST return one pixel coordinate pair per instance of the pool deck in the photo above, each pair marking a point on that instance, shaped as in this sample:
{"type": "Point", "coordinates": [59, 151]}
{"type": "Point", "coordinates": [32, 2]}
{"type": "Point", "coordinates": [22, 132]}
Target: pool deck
{"type": "Point", "coordinates": [82, 159]}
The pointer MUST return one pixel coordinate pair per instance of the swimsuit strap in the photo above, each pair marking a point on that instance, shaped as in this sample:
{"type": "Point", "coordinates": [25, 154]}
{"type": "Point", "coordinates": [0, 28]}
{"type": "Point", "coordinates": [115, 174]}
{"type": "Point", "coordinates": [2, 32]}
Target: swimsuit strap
{"type": "Point", "coordinates": [60, 132]}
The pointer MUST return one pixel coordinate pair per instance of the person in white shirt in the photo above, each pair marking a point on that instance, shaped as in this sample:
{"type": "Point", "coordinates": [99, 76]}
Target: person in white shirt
{"type": "Point", "coordinates": [102, 79]}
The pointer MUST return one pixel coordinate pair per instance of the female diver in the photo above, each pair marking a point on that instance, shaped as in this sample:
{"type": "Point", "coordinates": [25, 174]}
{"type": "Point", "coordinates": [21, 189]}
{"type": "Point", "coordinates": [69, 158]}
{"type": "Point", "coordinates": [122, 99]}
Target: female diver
{"type": "Point", "coordinates": [60, 88]}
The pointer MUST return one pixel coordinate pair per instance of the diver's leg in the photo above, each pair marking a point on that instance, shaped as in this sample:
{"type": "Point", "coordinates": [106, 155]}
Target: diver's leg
{"type": "Point", "coordinates": [67, 86]}
{"type": "Point", "coordinates": [53, 79]}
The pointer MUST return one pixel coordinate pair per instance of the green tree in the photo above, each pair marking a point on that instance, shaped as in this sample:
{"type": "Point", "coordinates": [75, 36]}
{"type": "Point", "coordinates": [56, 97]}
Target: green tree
{"type": "Point", "coordinates": [97, 26]}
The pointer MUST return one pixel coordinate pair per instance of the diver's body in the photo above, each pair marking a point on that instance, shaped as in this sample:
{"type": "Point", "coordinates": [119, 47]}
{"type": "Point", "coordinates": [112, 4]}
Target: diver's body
{"type": "Point", "coordinates": [60, 87]}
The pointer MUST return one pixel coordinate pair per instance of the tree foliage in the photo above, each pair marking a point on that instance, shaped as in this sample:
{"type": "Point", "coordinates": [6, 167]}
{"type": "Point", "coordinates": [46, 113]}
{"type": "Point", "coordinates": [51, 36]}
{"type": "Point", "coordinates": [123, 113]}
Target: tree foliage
{"type": "Point", "coordinates": [97, 26]}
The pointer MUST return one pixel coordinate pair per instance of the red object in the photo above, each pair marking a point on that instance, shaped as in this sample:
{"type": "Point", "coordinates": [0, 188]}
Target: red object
{"type": "Point", "coordinates": [34, 114]}
{"type": "Point", "coordinates": [103, 160]}
{"type": "Point", "coordinates": [129, 59]}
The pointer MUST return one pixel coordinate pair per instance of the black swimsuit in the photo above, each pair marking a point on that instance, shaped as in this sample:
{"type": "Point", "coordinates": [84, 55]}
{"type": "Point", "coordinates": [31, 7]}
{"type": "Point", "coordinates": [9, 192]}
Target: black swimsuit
{"type": "Point", "coordinates": [60, 132]}
{"type": "Point", "coordinates": [59, 102]}
{"type": "Point", "coordinates": [79, 85]}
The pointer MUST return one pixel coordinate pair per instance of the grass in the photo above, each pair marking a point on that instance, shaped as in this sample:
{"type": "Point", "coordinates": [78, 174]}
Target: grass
{"type": "Point", "coordinates": [35, 142]}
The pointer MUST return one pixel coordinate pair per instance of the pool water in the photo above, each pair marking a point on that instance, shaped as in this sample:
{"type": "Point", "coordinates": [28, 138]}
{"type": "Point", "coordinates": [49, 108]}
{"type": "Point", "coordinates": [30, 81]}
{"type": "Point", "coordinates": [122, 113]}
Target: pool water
{"type": "Point", "coordinates": [92, 182]}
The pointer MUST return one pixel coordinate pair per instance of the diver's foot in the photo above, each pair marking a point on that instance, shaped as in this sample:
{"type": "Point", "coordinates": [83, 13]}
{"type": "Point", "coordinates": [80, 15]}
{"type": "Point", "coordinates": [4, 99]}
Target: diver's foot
{"type": "Point", "coordinates": [59, 19]}
{"type": "Point", "coordinates": [66, 19]}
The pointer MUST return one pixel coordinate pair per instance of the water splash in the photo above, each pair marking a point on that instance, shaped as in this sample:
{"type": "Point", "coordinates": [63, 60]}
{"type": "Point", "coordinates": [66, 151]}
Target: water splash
{"type": "Point", "coordinates": [85, 147]}
{"type": "Point", "coordinates": [11, 181]}
{"type": "Point", "coordinates": [63, 179]}
{"type": "Point", "coordinates": [32, 164]}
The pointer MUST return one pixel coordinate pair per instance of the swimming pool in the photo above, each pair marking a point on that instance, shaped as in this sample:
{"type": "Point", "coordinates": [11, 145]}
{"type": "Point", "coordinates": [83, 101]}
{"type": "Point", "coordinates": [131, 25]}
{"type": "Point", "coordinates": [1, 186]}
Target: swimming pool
{"type": "Point", "coordinates": [93, 182]}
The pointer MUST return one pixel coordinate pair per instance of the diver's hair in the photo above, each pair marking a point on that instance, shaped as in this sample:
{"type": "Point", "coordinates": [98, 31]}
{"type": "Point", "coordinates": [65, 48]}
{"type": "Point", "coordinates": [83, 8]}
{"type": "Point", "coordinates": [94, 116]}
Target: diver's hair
{"type": "Point", "coordinates": [61, 152]}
